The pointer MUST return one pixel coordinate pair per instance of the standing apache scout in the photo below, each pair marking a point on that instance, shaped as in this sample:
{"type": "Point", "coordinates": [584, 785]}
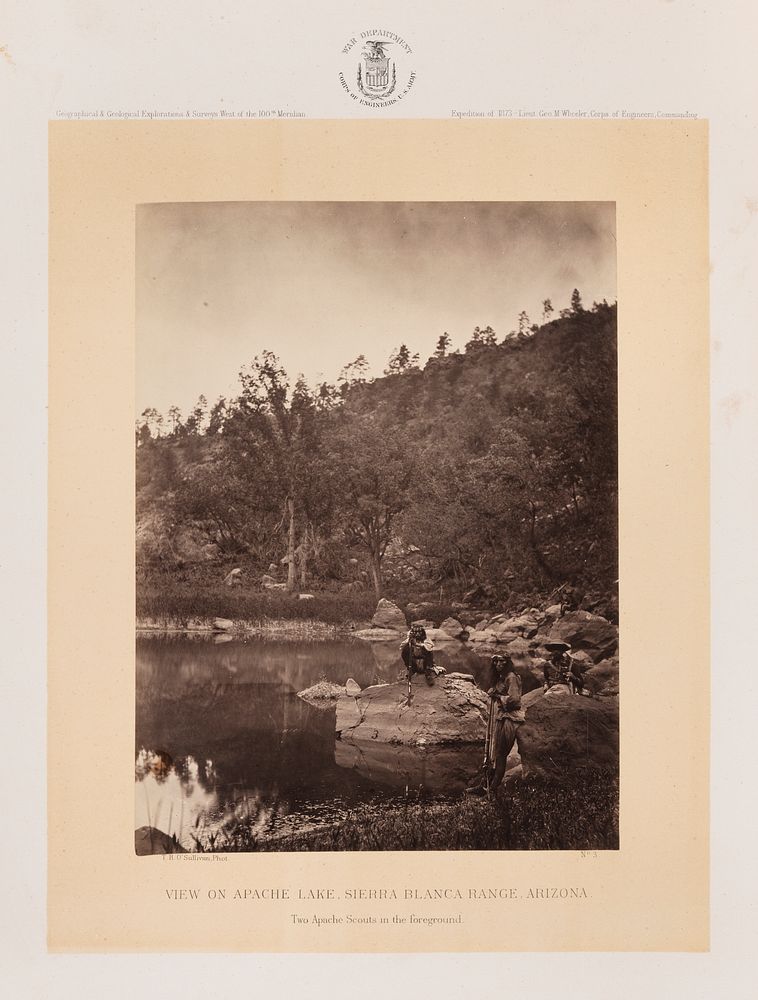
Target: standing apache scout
{"type": "Point", "coordinates": [506, 715]}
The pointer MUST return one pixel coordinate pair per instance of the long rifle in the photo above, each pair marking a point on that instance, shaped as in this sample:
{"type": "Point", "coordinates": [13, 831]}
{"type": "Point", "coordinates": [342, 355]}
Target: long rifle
{"type": "Point", "coordinates": [487, 765]}
{"type": "Point", "coordinates": [410, 666]}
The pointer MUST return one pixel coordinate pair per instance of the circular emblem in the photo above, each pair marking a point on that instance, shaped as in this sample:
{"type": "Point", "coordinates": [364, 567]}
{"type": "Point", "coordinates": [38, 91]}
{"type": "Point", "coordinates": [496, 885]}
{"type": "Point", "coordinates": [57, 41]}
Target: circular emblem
{"type": "Point", "coordinates": [377, 70]}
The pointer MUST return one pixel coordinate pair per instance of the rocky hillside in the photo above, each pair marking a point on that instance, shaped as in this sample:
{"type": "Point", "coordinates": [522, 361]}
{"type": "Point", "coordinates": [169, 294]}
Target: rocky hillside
{"type": "Point", "coordinates": [491, 470]}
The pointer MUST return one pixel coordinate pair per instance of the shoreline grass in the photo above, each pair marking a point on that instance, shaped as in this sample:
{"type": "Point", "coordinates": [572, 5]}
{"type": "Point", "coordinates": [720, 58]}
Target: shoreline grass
{"type": "Point", "coordinates": [306, 629]}
{"type": "Point", "coordinates": [181, 602]}
{"type": "Point", "coordinates": [577, 811]}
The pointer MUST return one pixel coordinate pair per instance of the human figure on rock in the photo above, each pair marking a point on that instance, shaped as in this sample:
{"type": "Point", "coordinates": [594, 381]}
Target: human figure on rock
{"type": "Point", "coordinates": [505, 692]}
{"type": "Point", "coordinates": [416, 653]}
{"type": "Point", "coordinates": [561, 669]}
{"type": "Point", "coordinates": [570, 601]}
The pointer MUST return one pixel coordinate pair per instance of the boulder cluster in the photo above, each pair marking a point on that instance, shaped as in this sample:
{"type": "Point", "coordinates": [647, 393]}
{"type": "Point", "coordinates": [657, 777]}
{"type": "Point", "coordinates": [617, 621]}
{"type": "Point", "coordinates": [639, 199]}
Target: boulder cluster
{"type": "Point", "coordinates": [593, 639]}
{"type": "Point", "coordinates": [562, 731]}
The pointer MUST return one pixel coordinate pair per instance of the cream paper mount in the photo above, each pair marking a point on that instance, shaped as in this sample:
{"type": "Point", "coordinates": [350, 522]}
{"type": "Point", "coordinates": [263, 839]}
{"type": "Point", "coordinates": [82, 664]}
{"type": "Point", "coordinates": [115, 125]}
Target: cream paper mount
{"type": "Point", "coordinates": [651, 894]}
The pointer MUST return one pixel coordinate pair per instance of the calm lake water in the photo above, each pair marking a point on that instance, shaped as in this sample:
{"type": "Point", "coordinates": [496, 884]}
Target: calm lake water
{"type": "Point", "coordinates": [220, 730]}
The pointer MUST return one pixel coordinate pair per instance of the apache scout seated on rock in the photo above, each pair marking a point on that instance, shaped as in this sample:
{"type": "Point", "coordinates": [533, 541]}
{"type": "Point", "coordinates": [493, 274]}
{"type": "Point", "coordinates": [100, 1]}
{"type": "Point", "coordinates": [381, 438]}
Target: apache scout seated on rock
{"type": "Point", "coordinates": [561, 669]}
{"type": "Point", "coordinates": [417, 655]}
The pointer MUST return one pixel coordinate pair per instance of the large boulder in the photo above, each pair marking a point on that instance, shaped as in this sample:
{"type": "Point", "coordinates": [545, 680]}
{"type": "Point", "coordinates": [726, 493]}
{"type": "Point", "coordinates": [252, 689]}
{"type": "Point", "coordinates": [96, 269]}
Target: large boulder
{"type": "Point", "coordinates": [519, 649]}
{"type": "Point", "coordinates": [451, 711]}
{"type": "Point", "coordinates": [507, 628]}
{"type": "Point", "coordinates": [537, 668]}
{"type": "Point", "coordinates": [389, 615]}
{"type": "Point", "coordinates": [453, 628]}
{"type": "Point", "coordinates": [582, 661]}
{"type": "Point", "coordinates": [149, 840]}
{"type": "Point", "coordinates": [584, 631]}
{"type": "Point", "coordinates": [483, 635]}
{"type": "Point", "coordinates": [324, 694]}
{"type": "Point", "coordinates": [565, 732]}
{"type": "Point", "coordinates": [602, 679]}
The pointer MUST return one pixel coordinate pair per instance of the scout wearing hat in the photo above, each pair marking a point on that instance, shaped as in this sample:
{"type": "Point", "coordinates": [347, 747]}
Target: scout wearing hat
{"type": "Point", "coordinates": [560, 668]}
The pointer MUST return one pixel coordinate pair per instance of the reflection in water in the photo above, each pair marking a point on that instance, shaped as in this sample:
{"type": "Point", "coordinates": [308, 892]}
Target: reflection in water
{"type": "Point", "coordinates": [170, 800]}
{"type": "Point", "coordinates": [221, 733]}
{"type": "Point", "coordinates": [436, 769]}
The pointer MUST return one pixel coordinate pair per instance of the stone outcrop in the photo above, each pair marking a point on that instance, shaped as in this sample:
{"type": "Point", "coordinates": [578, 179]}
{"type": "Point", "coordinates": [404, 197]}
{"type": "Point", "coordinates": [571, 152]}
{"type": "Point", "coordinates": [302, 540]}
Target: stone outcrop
{"type": "Point", "coordinates": [518, 649]}
{"type": "Point", "coordinates": [323, 695]}
{"type": "Point", "coordinates": [536, 665]}
{"type": "Point", "coordinates": [453, 628]}
{"type": "Point", "coordinates": [507, 628]}
{"type": "Point", "coordinates": [452, 711]}
{"type": "Point", "coordinates": [602, 679]}
{"type": "Point", "coordinates": [565, 733]}
{"type": "Point", "coordinates": [149, 840]}
{"type": "Point", "coordinates": [233, 578]}
{"type": "Point", "coordinates": [483, 635]}
{"type": "Point", "coordinates": [582, 660]}
{"type": "Point", "coordinates": [584, 632]}
{"type": "Point", "coordinates": [389, 616]}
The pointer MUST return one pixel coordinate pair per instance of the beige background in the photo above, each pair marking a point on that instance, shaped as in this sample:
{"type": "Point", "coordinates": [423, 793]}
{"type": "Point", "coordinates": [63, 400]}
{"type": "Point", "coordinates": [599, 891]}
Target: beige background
{"type": "Point", "coordinates": [653, 892]}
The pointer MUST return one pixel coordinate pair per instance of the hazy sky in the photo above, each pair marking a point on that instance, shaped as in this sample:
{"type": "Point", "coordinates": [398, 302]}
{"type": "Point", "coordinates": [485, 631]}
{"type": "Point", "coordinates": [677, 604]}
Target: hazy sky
{"type": "Point", "coordinates": [319, 283]}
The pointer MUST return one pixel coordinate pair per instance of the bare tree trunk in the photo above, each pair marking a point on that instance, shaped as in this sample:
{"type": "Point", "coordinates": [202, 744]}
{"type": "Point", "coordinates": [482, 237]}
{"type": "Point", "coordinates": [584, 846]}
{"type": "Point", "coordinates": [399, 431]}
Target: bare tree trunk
{"type": "Point", "coordinates": [291, 579]}
{"type": "Point", "coordinates": [302, 555]}
{"type": "Point", "coordinates": [376, 573]}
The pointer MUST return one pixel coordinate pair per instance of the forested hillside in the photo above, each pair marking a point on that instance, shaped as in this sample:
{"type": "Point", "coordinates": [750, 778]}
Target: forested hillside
{"type": "Point", "coordinates": [492, 469]}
